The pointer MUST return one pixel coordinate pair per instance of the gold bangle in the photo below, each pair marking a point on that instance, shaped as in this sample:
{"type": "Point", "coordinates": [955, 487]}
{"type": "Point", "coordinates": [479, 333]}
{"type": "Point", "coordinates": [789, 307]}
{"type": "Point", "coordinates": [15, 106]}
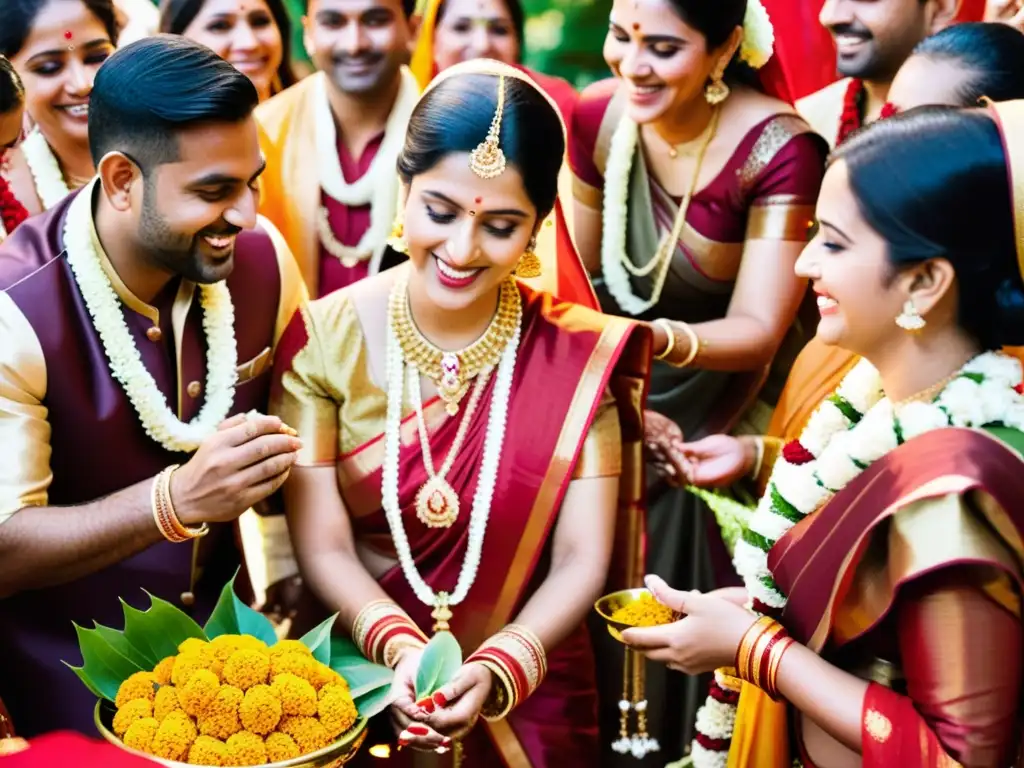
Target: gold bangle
{"type": "Point", "coordinates": [502, 698]}
{"type": "Point", "coordinates": [667, 328]}
{"type": "Point", "coordinates": [758, 457]}
{"type": "Point", "coordinates": [677, 326]}
{"type": "Point", "coordinates": [180, 528]}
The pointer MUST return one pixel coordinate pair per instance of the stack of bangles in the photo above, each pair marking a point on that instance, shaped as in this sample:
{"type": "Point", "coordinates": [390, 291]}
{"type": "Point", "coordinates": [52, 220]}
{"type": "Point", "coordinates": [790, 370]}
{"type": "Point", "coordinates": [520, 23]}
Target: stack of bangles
{"type": "Point", "coordinates": [673, 330]}
{"type": "Point", "coordinates": [163, 511]}
{"type": "Point", "coordinates": [518, 662]}
{"type": "Point", "coordinates": [760, 654]}
{"type": "Point", "coordinates": [382, 631]}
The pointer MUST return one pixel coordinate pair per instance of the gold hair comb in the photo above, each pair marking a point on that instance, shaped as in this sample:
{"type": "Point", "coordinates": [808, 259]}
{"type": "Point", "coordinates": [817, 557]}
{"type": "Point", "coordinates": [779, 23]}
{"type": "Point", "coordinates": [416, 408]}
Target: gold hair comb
{"type": "Point", "coordinates": [488, 161]}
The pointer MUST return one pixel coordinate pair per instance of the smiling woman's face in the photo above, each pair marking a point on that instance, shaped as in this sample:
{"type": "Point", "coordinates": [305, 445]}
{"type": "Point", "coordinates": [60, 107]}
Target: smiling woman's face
{"type": "Point", "coordinates": [466, 234]}
{"type": "Point", "coordinates": [58, 63]}
{"type": "Point", "coordinates": [243, 33]}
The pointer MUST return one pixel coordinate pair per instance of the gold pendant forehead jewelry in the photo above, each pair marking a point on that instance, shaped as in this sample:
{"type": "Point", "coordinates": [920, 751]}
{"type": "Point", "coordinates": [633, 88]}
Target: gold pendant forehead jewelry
{"type": "Point", "coordinates": [488, 161]}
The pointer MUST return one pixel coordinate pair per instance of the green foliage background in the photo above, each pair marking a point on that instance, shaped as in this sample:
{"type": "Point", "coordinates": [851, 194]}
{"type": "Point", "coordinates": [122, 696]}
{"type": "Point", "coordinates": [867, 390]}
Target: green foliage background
{"type": "Point", "coordinates": [563, 37]}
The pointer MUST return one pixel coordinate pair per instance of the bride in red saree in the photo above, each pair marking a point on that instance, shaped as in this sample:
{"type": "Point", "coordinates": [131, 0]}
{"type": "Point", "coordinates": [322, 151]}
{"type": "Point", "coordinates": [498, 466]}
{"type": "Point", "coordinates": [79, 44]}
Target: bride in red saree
{"type": "Point", "coordinates": [886, 557]}
{"type": "Point", "coordinates": [486, 497]}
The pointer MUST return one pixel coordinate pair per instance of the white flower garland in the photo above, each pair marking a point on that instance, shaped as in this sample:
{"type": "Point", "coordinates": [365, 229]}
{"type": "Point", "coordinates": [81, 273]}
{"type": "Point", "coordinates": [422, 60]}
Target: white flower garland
{"type": "Point", "coordinates": [379, 186]}
{"type": "Point", "coordinates": [46, 172]}
{"type": "Point", "coordinates": [621, 152]}
{"type": "Point", "coordinates": [848, 432]}
{"type": "Point", "coordinates": [486, 480]}
{"type": "Point", "coordinates": [123, 355]}
{"type": "Point", "coordinates": [758, 35]}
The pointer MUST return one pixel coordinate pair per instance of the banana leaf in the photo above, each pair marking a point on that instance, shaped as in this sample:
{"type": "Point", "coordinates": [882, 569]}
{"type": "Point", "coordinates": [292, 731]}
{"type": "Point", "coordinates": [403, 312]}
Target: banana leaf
{"type": "Point", "coordinates": [103, 668]}
{"type": "Point", "coordinates": [233, 617]}
{"type": "Point", "coordinates": [441, 659]}
{"type": "Point", "coordinates": [318, 640]}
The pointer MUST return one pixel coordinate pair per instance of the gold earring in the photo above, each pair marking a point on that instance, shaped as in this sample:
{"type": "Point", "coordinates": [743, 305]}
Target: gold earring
{"type": "Point", "coordinates": [529, 263]}
{"type": "Point", "coordinates": [716, 91]}
{"type": "Point", "coordinates": [396, 240]}
{"type": "Point", "coordinates": [910, 319]}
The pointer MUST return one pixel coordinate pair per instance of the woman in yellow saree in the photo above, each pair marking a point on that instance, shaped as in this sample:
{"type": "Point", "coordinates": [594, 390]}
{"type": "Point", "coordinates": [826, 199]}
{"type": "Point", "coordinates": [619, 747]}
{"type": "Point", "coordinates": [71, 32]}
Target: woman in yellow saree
{"type": "Point", "coordinates": [469, 441]}
{"type": "Point", "coordinates": [885, 558]}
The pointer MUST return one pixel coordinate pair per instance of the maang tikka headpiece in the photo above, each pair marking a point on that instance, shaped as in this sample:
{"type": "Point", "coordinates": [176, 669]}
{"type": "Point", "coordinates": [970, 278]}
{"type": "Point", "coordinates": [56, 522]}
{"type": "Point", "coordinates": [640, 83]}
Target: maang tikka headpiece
{"type": "Point", "coordinates": [487, 160]}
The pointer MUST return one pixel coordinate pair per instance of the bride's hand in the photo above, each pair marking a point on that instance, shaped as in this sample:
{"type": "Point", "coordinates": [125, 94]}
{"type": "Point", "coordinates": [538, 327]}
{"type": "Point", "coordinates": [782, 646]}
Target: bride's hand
{"type": "Point", "coordinates": [1008, 12]}
{"type": "Point", "coordinates": [406, 715]}
{"type": "Point", "coordinates": [458, 704]}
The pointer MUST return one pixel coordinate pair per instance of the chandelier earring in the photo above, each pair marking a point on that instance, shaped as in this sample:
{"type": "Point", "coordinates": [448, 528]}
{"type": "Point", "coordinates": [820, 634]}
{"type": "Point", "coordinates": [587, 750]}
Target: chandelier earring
{"type": "Point", "coordinates": [910, 319]}
{"type": "Point", "coordinates": [717, 91]}
{"type": "Point", "coordinates": [529, 265]}
{"type": "Point", "coordinates": [396, 240]}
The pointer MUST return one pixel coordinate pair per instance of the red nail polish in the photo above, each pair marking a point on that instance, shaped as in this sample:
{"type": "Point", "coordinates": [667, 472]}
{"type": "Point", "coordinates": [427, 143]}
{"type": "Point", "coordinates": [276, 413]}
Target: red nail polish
{"type": "Point", "coordinates": [426, 704]}
{"type": "Point", "coordinates": [403, 743]}
{"type": "Point", "coordinates": [418, 730]}
{"type": "Point", "coordinates": [446, 742]}
{"type": "Point", "coordinates": [440, 699]}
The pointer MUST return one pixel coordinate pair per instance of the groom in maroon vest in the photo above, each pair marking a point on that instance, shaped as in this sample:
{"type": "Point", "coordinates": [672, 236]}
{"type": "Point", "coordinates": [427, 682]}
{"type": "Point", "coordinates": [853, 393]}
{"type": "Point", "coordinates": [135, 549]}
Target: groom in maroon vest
{"type": "Point", "coordinates": [137, 324]}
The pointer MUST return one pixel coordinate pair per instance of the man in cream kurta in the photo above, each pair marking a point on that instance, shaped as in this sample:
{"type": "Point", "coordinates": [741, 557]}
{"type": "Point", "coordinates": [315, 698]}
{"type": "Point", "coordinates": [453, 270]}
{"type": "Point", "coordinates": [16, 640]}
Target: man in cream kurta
{"type": "Point", "coordinates": [332, 140]}
{"type": "Point", "coordinates": [873, 38]}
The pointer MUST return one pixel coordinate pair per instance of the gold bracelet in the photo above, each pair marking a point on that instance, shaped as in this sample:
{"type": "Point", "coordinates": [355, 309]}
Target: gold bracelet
{"type": "Point", "coordinates": [672, 328]}
{"type": "Point", "coordinates": [758, 457]}
{"type": "Point", "coordinates": [382, 629]}
{"type": "Point", "coordinates": [503, 698]}
{"type": "Point", "coordinates": [179, 527]}
{"type": "Point", "coordinates": [667, 328]}
{"type": "Point", "coordinates": [163, 511]}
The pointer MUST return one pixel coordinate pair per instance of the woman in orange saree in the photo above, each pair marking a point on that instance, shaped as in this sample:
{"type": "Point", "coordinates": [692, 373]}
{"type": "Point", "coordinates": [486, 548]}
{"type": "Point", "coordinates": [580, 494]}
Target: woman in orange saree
{"type": "Point", "coordinates": [886, 557]}
{"type": "Point", "coordinates": [481, 497]}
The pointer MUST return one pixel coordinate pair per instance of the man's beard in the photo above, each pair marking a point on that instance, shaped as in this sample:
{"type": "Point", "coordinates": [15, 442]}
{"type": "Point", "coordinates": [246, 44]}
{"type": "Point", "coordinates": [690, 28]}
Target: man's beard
{"type": "Point", "coordinates": [176, 252]}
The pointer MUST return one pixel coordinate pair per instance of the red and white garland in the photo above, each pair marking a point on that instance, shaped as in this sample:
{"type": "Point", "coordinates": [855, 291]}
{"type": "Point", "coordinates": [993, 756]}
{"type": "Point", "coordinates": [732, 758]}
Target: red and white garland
{"type": "Point", "coordinates": [850, 430]}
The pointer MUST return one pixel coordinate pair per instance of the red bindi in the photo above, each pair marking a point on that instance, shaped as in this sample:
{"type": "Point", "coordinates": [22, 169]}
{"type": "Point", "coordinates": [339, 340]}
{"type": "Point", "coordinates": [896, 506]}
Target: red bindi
{"type": "Point", "coordinates": [479, 200]}
{"type": "Point", "coordinates": [636, 27]}
{"type": "Point", "coordinates": [68, 34]}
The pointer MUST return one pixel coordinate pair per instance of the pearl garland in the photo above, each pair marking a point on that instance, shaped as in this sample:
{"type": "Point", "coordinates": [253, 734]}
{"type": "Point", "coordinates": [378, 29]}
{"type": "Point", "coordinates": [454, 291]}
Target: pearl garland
{"type": "Point", "coordinates": [486, 482]}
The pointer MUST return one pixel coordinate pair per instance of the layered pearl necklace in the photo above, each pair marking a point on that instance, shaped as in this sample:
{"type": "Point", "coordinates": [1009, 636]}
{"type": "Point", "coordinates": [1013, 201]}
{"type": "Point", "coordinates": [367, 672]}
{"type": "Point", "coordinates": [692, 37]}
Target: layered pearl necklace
{"type": "Point", "coordinates": [123, 355]}
{"type": "Point", "coordinates": [46, 172]}
{"type": "Point", "coordinates": [486, 481]}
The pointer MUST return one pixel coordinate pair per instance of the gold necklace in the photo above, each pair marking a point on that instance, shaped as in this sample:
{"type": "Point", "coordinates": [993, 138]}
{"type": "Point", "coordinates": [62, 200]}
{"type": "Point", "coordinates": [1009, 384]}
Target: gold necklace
{"type": "Point", "coordinates": [452, 371]}
{"type": "Point", "coordinates": [929, 394]}
{"type": "Point", "coordinates": [437, 503]}
{"type": "Point", "coordinates": [690, 147]}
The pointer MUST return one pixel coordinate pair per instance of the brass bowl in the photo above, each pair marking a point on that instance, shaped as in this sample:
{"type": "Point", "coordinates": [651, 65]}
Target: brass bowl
{"type": "Point", "coordinates": [338, 753]}
{"type": "Point", "coordinates": [609, 604]}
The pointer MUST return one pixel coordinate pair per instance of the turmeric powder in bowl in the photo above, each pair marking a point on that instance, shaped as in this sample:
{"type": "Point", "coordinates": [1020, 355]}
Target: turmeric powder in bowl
{"type": "Point", "coordinates": [645, 611]}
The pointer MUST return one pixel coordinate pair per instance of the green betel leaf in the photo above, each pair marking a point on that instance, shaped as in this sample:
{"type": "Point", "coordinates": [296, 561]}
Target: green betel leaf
{"type": "Point", "coordinates": [374, 702]}
{"type": "Point", "coordinates": [120, 643]}
{"type": "Point", "coordinates": [343, 651]}
{"type": "Point", "coordinates": [441, 659]}
{"type": "Point", "coordinates": [253, 623]}
{"type": "Point", "coordinates": [318, 640]}
{"type": "Point", "coordinates": [223, 621]}
{"type": "Point", "coordinates": [366, 678]}
{"type": "Point", "coordinates": [160, 629]}
{"type": "Point", "coordinates": [103, 668]}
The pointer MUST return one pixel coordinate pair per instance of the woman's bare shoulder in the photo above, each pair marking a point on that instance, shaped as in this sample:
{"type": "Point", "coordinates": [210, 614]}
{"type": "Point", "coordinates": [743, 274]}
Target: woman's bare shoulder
{"type": "Point", "coordinates": [19, 176]}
